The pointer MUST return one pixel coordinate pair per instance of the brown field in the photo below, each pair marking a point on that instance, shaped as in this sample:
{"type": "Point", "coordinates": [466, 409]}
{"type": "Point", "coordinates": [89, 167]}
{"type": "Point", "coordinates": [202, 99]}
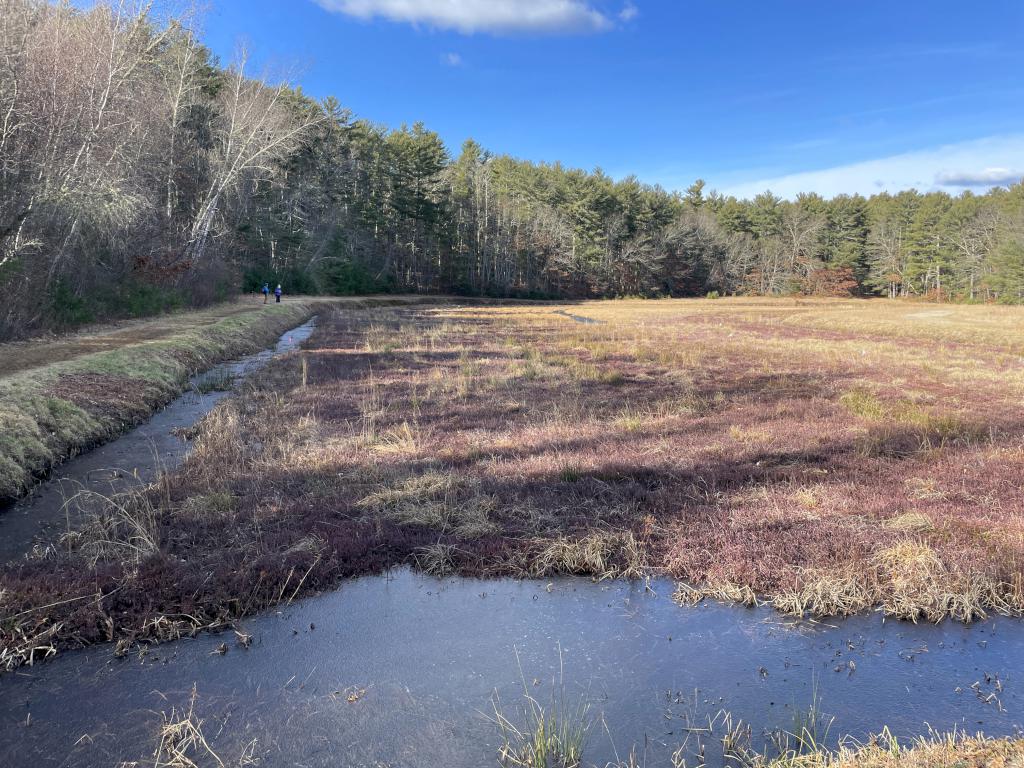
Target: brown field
{"type": "Point", "coordinates": [829, 457]}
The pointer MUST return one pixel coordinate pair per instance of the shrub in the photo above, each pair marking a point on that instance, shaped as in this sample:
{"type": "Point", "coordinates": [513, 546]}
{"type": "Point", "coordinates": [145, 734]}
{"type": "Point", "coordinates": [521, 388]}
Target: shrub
{"type": "Point", "coordinates": [832, 281]}
{"type": "Point", "coordinates": [67, 308]}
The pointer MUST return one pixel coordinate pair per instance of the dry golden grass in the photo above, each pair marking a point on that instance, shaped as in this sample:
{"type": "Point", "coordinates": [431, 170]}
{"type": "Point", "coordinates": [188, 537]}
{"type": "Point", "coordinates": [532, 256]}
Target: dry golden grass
{"type": "Point", "coordinates": [120, 529]}
{"type": "Point", "coordinates": [725, 591]}
{"type": "Point", "coordinates": [29, 641]}
{"type": "Point", "coordinates": [910, 522]}
{"type": "Point", "coordinates": [907, 581]}
{"type": "Point", "coordinates": [937, 752]}
{"type": "Point", "coordinates": [181, 742]}
{"type": "Point", "coordinates": [602, 555]}
{"type": "Point", "coordinates": [441, 501]}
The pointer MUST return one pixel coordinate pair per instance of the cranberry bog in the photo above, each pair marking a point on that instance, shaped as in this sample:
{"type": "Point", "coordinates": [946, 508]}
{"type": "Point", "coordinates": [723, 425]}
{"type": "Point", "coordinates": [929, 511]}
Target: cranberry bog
{"type": "Point", "coordinates": [828, 458]}
{"type": "Point", "coordinates": [818, 459]}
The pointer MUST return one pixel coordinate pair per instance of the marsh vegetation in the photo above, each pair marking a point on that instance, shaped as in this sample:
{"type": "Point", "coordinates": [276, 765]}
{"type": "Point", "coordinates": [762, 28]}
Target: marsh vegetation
{"type": "Point", "coordinates": [828, 458]}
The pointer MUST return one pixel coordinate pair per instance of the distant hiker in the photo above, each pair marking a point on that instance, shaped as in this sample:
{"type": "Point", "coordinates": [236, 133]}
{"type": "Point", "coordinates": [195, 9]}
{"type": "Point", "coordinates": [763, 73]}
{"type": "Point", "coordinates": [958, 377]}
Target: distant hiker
{"type": "Point", "coordinates": [266, 292]}
{"type": "Point", "coordinates": [277, 293]}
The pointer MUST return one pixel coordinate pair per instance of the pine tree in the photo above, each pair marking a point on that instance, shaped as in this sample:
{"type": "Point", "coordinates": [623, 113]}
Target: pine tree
{"type": "Point", "coordinates": [928, 257]}
{"type": "Point", "coordinates": [694, 196]}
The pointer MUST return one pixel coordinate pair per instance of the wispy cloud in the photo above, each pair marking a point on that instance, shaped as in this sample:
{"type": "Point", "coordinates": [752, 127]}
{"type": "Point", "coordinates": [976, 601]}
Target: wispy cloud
{"type": "Point", "coordinates": [954, 167]}
{"type": "Point", "coordinates": [969, 98]}
{"type": "Point", "coordinates": [908, 52]}
{"type": "Point", "coordinates": [451, 59]}
{"type": "Point", "coordinates": [629, 12]}
{"type": "Point", "coordinates": [490, 16]}
{"type": "Point", "coordinates": [816, 143]}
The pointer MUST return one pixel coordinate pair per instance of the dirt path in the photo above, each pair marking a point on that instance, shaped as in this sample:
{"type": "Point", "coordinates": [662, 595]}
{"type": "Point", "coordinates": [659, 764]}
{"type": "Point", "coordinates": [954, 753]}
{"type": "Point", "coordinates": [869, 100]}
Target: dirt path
{"type": "Point", "coordinates": [24, 355]}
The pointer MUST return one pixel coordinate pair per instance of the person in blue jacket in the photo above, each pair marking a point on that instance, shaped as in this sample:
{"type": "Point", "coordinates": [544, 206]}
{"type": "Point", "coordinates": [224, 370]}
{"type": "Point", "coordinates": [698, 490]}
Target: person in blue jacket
{"type": "Point", "coordinates": [265, 290]}
{"type": "Point", "coordinates": [277, 293]}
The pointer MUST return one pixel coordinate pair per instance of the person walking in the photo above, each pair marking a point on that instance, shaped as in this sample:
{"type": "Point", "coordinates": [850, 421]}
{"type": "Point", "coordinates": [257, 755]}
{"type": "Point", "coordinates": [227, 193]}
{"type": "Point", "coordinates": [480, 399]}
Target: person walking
{"type": "Point", "coordinates": [266, 292]}
{"type": "Point", "coordinates": [277, 294]}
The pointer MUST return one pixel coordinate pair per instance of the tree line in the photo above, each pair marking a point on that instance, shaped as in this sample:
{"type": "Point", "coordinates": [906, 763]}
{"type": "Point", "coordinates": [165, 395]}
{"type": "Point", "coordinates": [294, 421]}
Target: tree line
{"type": "Point", "coordinates": [137, 173]}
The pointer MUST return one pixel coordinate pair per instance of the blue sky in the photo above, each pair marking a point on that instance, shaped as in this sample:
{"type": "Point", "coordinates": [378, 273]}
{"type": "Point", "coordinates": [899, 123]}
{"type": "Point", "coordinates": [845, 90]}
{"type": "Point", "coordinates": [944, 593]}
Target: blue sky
{"type": "Point", "coordinates": [817, 95]}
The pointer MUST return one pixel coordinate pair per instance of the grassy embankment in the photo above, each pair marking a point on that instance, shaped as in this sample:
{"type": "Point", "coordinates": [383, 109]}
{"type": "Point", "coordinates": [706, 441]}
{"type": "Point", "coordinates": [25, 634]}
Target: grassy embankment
{"type": "Point", "coordinates": [826, 457]}
{"type": "Point", "coordinates": [53, 411]}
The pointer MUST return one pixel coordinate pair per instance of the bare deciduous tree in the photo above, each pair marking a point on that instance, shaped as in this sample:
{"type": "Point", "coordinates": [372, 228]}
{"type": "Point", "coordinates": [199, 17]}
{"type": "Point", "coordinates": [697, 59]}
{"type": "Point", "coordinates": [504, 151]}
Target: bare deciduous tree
{"type": "Point", "coordinates": [253, 131]}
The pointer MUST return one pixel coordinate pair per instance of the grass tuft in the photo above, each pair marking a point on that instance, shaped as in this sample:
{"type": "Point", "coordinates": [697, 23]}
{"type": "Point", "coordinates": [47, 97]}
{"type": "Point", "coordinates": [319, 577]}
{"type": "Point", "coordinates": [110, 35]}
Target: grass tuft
{"type": "Point", "coordinates": [121, 528]}
{"type": "Point", "coordinates": [551, 736]}
{"type": "Point", "coordinates": [600, 555]}
{"type": "Point", "coordinates": [436, 559]}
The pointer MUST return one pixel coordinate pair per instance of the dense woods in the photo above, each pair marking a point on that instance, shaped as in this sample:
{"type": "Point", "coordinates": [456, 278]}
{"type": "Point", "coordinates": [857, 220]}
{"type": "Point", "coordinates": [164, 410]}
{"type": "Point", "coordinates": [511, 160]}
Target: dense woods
{"type": "Point", "coordinates": [138, 173]}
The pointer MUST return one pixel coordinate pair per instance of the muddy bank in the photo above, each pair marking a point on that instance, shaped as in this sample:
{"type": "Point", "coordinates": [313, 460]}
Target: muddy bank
{"type": "Point", "coordinates": [401, 670]}
{"type": "Point", "coordinates": [132, 460]}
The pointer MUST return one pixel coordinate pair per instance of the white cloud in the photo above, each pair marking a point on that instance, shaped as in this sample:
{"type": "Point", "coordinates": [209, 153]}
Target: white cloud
{"type": "Point", "coordinates": [629, 12]}
{"type": "Point", "coordinates": [470, 16]}
{"type": "Point", "coordinates": [452, 59]}
{"type": "Point", "coordinates": [984, 178]}
{"type": "Point", "coordinates": [953, 167]}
